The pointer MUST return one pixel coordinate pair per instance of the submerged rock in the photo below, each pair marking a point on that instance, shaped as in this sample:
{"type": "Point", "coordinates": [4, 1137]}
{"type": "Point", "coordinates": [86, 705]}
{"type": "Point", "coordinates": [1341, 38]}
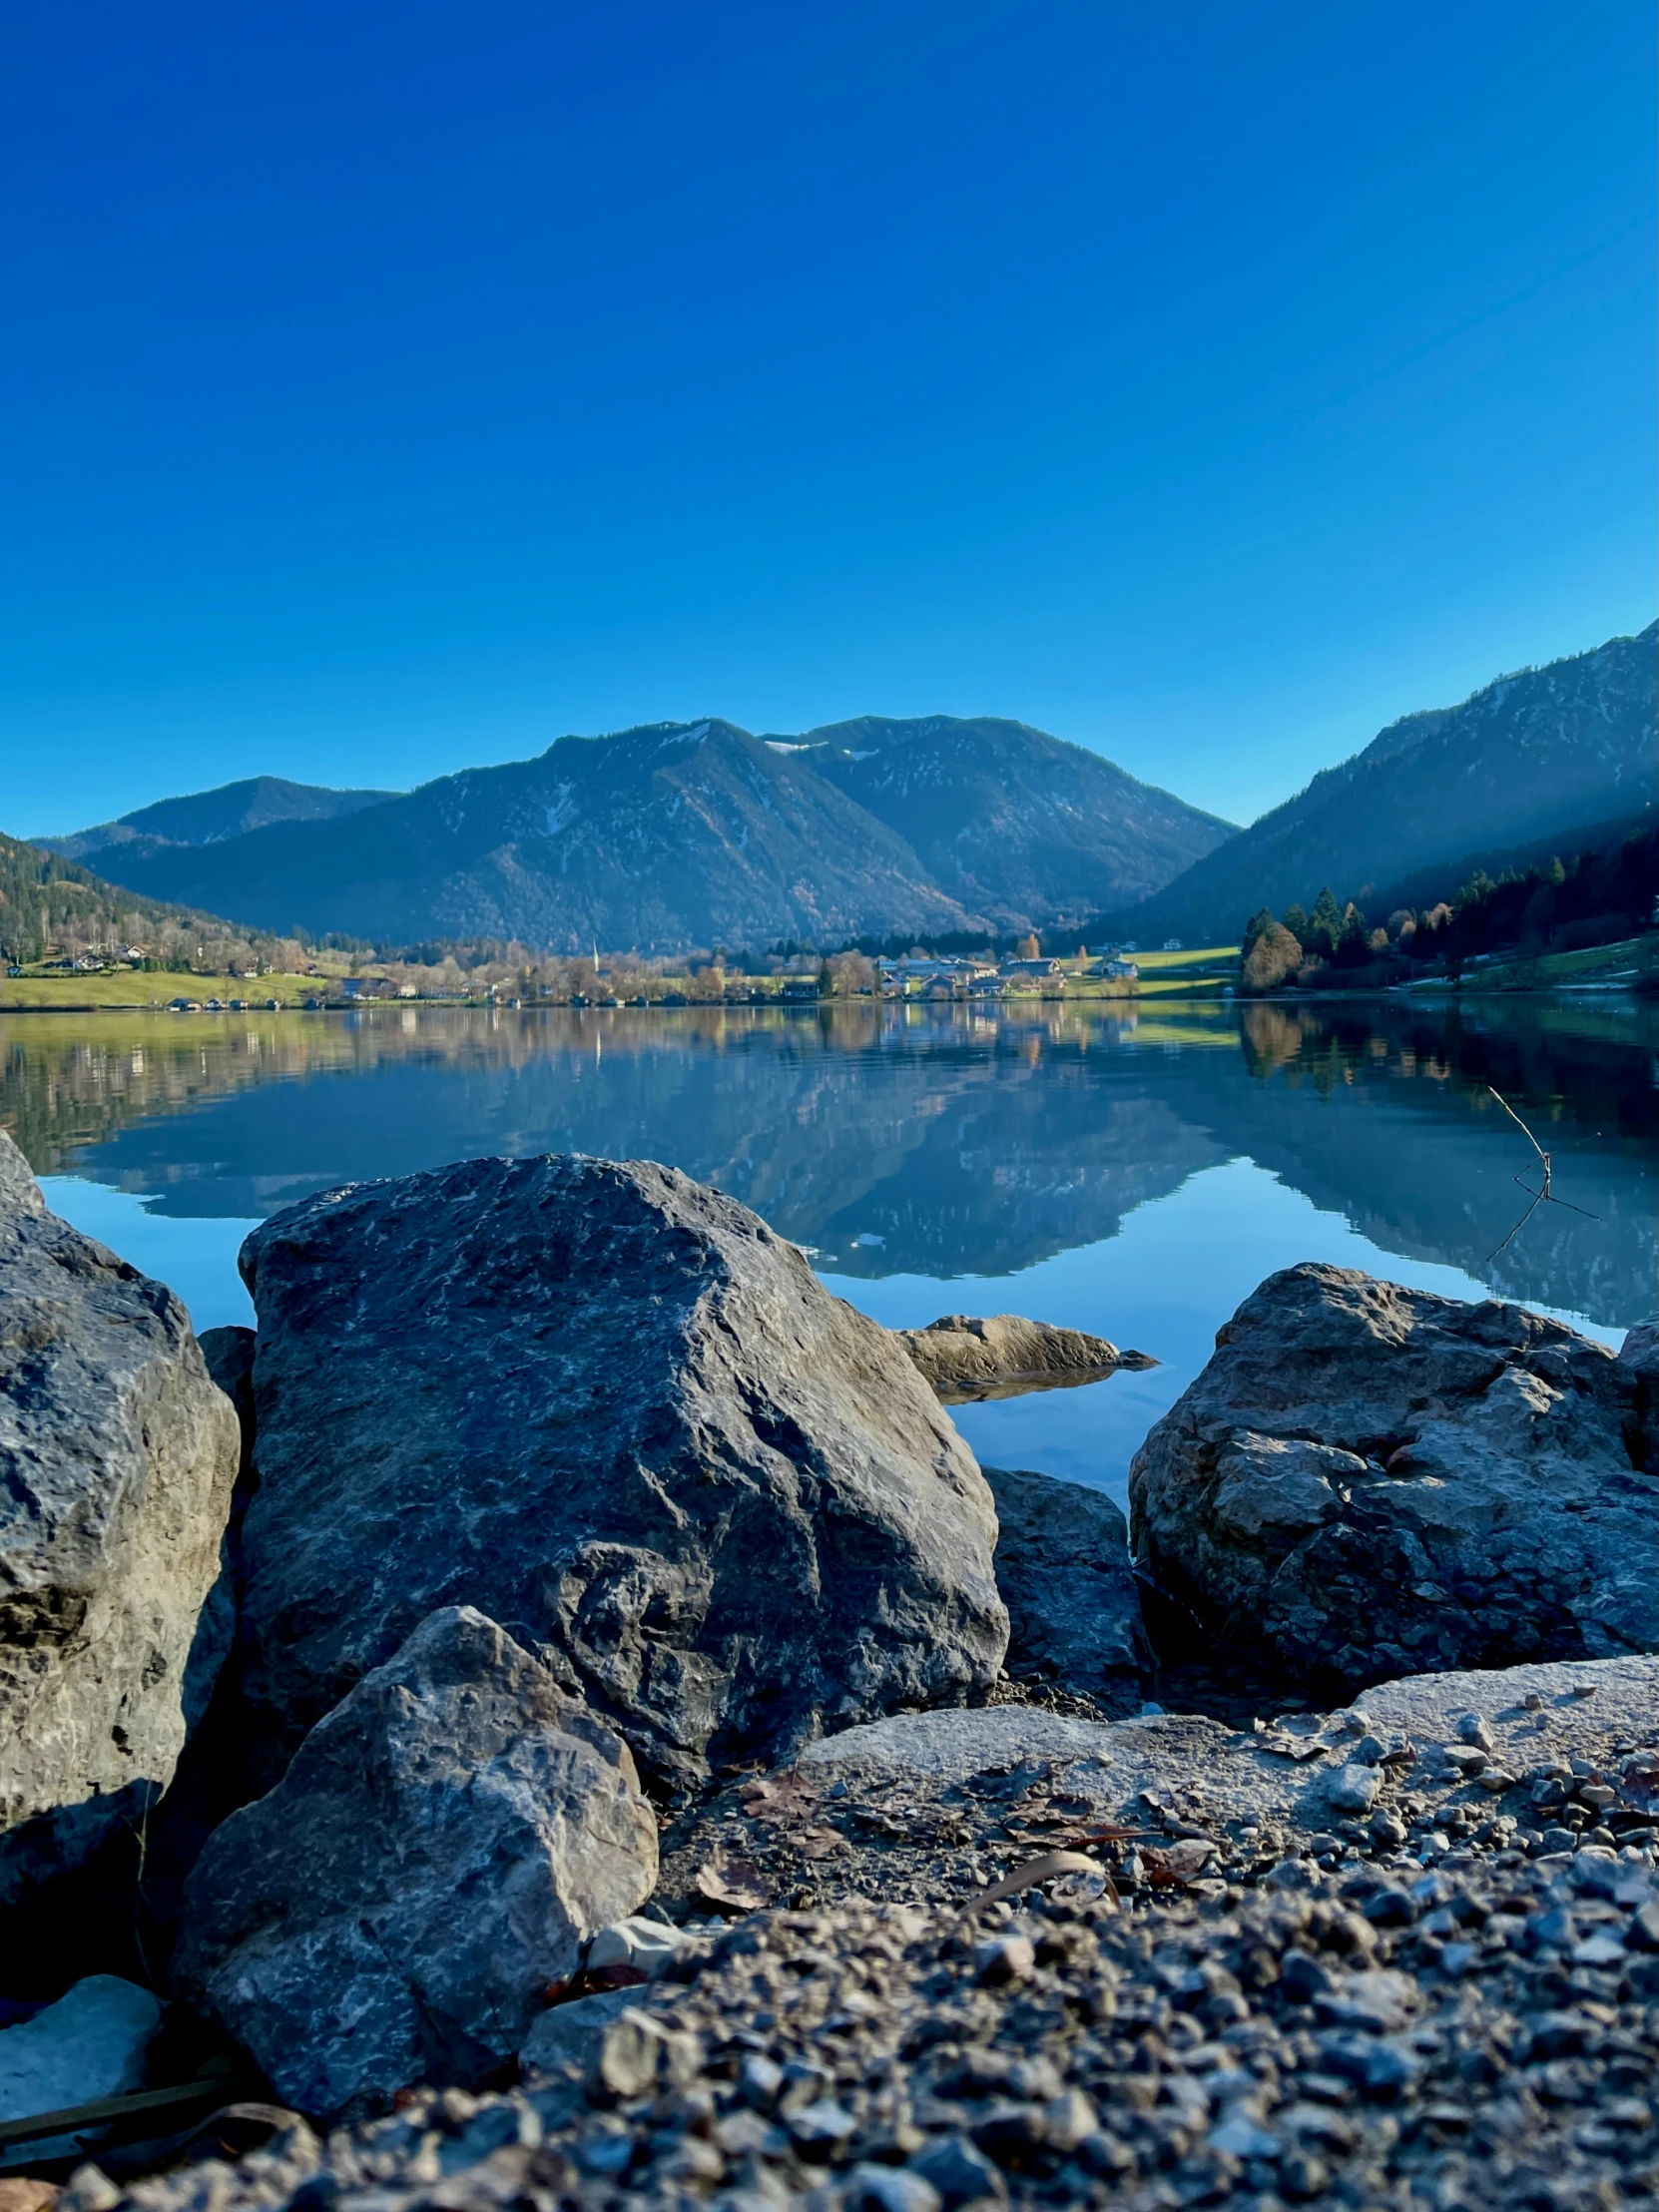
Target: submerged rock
{"type": "Point", "coordinates": [1074, 1608]}
{"type": "Point", "coordinates": [962, 1358]}
{"type": "Point", "coordinates": [1368, 1480]}
{"type": "Point", "coordinates": [615, 1411]}
{"type": "Point", "coordinates": [117, 1458]}
{"type": "Point", "coordinates": [439, 1851]}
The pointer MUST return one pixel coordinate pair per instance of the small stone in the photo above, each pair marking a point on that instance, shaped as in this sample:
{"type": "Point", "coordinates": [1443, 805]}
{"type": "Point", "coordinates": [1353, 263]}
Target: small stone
{"type": "Point", "coordinates": [1598, 1950]}
{"type": "Point", "coordinates": [1643, 1932]}
{"type": "Point", "coordinates": [1533, 1702]}
{"type": "Point", "coordinates": [639, 2053]}
{"type": "Point", "coordinates": [1239, 2136]}
{"type": "Point", "coordinates": [959, 2170]}
{"type": "Point", "coordinates": [1105, 2155]}
{"type": "Point", "coordinates": [1005, 1959]}
{"type": "Point", "coordinates": [1303, 1977]}
{"type": "Point", "coordinates": [1468, 1759]}
{"type": "Point", "coordinates": [759, 2079]}
{"type": "Point", "coordinates": [88, 2189]}
{"type": "Point", "coordinates": [1472, 1729]}
{"type": "Point", "coordinates": [822, 2124]}
{"type": "Point", "coordinates": [1386, 1830]}
{"type": "Point", "coordinates": [873, 2188]}
{"type": "Point", "coordinates": [650, 1947]}
{"type": "Point", "coordinates": [1068, 2120]}
{"type": "Point", "coordinates": [1303, 2174]}
{"type": "Point", "coordinates": [1352, 1788]}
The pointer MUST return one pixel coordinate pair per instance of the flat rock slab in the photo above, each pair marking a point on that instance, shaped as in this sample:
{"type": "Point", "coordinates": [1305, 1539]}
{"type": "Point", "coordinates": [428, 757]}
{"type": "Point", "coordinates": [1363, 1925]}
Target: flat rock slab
{"type": "Point", "coordinates": [1582, 1702]}
{"type": "Point", "coordinates": [1368, 1481]}
{"type": "Point", "coordinates": [611, 1408]}
{"type": "Point", "coordinates": [439, 1851]}
{"type": "Point", "coordinates": [1202, 1772]}
{"type": "Point", "coordinates": [117, 1459]}
{"type": "Point", "coordinates": [1214, 1773]}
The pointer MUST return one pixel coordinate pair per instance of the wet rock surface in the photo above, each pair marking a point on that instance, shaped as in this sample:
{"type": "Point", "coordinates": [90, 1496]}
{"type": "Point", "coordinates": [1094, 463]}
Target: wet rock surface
{"type": "Point", "coordinates": [1288, 2016]}
{"type": "Point", "coordinates": [439, 1851]}
{"type": "Point", "coordinates": [612, 1410]}
{"type": "Point", "coordinates": [963, 1357]}
{"type": "Point", "coordinates": [117, 1458]}
{"type": "Point", "coordinates": [1063, 1571]}
{"type": "Point", "coordinates": [1368, 1480]}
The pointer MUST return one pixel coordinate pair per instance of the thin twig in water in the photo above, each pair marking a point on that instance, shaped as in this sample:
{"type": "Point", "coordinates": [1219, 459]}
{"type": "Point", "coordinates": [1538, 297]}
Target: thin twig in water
{"type": "Point", "coordinates": [1545, 1197]}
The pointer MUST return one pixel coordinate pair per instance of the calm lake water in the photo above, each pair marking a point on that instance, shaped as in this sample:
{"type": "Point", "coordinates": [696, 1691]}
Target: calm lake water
{"type": "Point", "coordinates": [1132, 1177]}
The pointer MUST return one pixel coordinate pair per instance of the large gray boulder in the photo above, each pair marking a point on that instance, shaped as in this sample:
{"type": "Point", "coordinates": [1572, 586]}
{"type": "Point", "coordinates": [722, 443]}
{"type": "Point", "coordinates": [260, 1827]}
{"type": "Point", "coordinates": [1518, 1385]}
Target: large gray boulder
{"type": "Point", "coordinates": [1074, 1606]}
{"type": "Point", "coordinates": [1368, 1480]}
{"type": "Point", "coordinates": [440, 1849]}
{"type": "Point", "coordinates": [963, 1357]}
{"type": "Point", "coordinates": [117, 1458]}
{"type": "Point", "coordinates": [615, 1411]}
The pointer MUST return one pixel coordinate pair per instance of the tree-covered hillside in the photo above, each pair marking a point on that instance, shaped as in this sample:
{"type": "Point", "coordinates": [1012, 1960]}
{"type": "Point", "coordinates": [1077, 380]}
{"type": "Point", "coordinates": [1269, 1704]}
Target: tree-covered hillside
{"type": "Point", "coordinates": [51, 907]}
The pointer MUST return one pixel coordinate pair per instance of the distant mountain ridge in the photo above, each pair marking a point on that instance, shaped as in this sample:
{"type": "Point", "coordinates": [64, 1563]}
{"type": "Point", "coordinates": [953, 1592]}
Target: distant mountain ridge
{"type": "Point", "coordinates": [678, 835]}
{"type": "Point", "coordinates": [208, 817]}
{"type": "Point", "coordinates": [1551, 758]}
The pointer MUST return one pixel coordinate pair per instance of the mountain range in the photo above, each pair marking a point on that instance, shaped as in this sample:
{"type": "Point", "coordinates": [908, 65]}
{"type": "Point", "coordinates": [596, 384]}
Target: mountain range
{"type": "Point", "coordinates": [680, 835]}
{"type": "Point", "coordinates": [209, 818]}
{"type": "Point", "coordinates": [1545, 762]}
{"type": "Point", "coordinates": [683, 835]}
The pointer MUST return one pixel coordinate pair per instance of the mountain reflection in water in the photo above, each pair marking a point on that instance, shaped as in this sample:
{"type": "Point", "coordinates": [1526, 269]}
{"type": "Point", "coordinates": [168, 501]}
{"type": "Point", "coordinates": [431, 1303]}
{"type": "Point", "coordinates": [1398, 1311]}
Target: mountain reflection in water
{"type": "Point", "coordinates": [1134, 1177]}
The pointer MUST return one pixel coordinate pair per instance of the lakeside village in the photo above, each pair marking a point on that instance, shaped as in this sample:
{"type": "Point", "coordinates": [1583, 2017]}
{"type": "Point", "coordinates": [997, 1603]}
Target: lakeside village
{"type": "Point", "coordinates": [1588, 924]}
{"type": "Point", "coordinates": [519, 978]}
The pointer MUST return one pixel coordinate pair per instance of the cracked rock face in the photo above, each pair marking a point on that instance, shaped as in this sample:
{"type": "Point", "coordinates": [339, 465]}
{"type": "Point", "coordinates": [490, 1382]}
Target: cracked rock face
{"type": "Point", "coordinates": [439, 1849]}
{"type": "Point", "coordinates": [612, 1410]}
{"type": "Point", "coordinates": [1368, 1480]}
{"type": "Point", "coordinates": [117, 1458]}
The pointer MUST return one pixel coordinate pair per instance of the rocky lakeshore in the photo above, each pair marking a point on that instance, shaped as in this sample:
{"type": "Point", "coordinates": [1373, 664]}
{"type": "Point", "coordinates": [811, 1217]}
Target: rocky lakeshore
{"type": "Point", "coordinates": [557, 1715]}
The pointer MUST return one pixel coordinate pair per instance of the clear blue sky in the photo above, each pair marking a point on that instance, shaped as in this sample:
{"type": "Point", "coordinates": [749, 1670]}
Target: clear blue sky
{"type": "Point", "coordinates": [388, 388]}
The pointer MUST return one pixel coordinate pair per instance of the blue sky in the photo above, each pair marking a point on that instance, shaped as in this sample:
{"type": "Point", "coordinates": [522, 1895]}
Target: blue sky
{"type": "Point", "coordinates": [392, 388]}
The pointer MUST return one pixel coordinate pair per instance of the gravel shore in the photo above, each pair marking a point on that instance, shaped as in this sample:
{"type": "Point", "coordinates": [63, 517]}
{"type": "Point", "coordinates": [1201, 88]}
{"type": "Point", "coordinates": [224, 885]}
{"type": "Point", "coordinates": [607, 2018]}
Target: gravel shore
{"type": "Point", "coordinates": [1451, 2003]}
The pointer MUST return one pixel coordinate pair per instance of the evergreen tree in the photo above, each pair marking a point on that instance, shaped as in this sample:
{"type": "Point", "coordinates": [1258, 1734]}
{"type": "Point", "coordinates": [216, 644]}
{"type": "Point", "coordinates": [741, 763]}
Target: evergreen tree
{"type": "Point", "coordinates": [1325, 925]}
{"type": "Point", "coordinates": [1296, 921]}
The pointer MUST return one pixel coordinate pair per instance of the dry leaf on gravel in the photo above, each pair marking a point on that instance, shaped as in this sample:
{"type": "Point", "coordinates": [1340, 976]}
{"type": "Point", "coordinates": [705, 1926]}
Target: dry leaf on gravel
{"type": "Point", "coordinates": [1041, 1869]}
{"type": "Point", "coordinates": [819, 1843]}
{"type": "Point", "coordinates": [1179, 1864]}
{"type": "Point", "coordinates": [779, 1796]}
{"type": "Point", "coordinates": [737, 1884]}
{"type": "Point", "coordinates": [1292, 1747]}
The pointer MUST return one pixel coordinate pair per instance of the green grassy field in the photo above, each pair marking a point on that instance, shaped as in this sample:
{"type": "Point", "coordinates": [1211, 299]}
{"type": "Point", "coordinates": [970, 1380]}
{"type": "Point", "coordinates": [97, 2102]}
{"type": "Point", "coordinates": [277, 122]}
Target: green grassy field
{"type": "Point", "coordinates": [131, 987]}
{"type": "Point", "coordinates": [1605, 966]}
